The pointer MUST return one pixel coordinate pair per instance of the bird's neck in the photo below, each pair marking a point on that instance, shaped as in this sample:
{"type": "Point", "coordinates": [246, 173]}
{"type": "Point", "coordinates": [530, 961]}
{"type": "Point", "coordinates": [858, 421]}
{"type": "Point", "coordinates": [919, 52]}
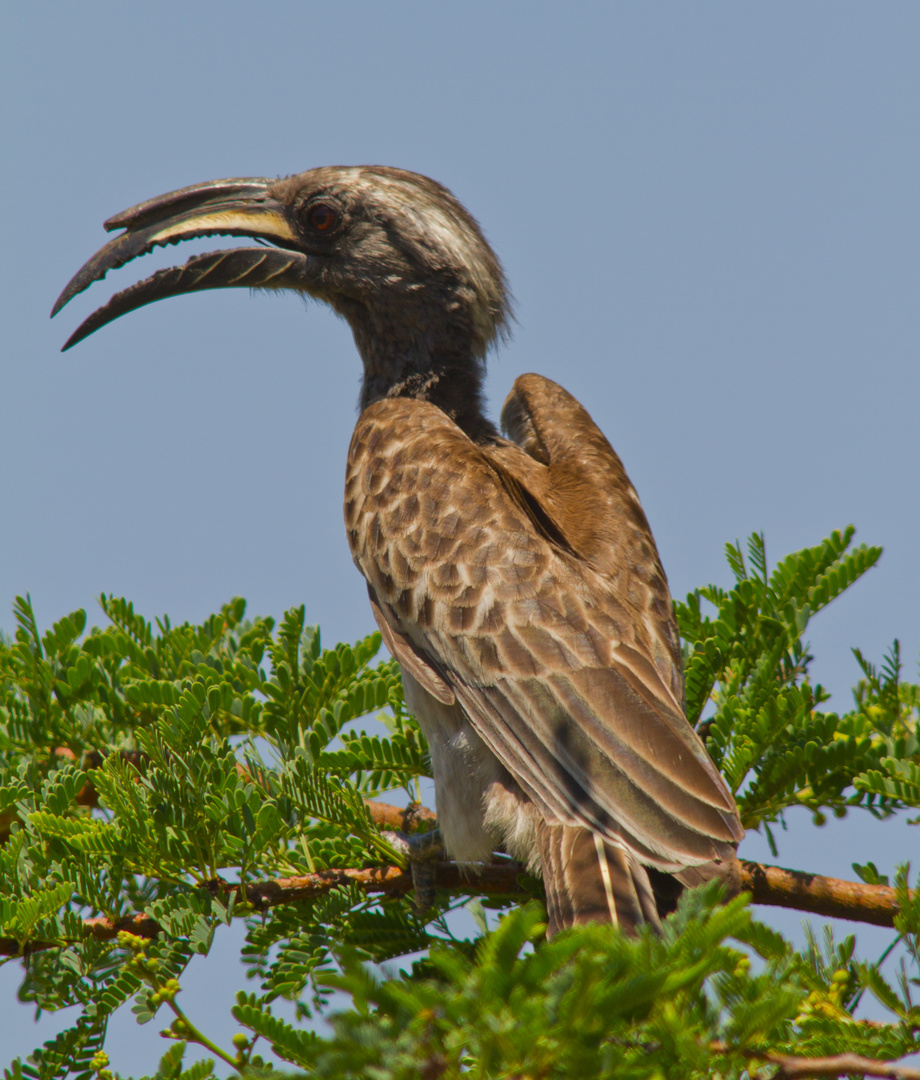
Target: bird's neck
{"type": "Point", "coordinates": [422, 364]}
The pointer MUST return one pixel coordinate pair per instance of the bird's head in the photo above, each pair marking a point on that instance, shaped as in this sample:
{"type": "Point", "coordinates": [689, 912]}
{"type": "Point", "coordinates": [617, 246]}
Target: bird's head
{"type": "Point", "coordinates": [393, 252]}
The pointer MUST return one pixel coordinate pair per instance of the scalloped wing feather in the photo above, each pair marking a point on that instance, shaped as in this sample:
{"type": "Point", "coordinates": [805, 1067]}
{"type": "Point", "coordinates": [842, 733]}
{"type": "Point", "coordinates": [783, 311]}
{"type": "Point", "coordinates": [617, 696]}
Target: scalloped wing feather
{"type": "Point", "coordinates": [524, 582]}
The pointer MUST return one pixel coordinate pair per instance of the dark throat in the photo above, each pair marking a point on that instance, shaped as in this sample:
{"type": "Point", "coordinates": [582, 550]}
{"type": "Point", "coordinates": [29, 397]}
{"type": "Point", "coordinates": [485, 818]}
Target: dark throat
{"type": "Point", "coordinates": [419, 364]}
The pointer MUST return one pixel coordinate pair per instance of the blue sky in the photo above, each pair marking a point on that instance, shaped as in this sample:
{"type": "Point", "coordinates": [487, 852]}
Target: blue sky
{"type": "Point", "coordinates": [709, 218]}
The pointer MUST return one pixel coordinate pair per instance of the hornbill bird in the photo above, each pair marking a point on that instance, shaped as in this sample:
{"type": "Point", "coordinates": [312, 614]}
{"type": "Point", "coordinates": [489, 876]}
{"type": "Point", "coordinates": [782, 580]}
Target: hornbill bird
{"type": "Point", "coordinates": [515, 579]}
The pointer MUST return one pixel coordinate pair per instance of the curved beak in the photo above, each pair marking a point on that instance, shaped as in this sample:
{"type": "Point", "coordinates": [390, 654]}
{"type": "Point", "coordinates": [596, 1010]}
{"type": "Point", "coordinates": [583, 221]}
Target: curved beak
{"type": "Point", "coordinates": [236, 207]}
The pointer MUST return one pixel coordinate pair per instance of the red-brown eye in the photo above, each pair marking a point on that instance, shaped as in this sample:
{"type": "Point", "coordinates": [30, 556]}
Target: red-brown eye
{"type": "Point", "coordinates": [322, 217]}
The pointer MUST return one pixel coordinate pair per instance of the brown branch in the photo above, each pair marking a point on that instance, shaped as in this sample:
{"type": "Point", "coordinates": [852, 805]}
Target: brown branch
{"type": "Point", "coordinates": [101, 929]}
{"type": "Point", "coordinates": [831, 897]}
{"type": "Point", "coordinates": [791, 1068]}
{"type": "Point", "coordinates": [498, 878]}
{"type": "Point", "coordinates": [768, 885]}
{"type": "Point", "coordinates": [771, 886]}
{"type": "Point", "coordinates": [800, 1068]}
{"type": "Point", "coordinates": [414, 817]}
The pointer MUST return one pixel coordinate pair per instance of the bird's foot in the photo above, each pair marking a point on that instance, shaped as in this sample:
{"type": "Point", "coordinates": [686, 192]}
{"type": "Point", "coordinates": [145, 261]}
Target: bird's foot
{"type": "Point", "coordinates": [421, 852]}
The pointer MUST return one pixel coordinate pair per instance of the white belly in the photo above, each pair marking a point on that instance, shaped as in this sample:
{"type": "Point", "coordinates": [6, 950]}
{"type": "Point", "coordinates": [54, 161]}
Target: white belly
{"type": "Point", "coordinates": [480, 807]}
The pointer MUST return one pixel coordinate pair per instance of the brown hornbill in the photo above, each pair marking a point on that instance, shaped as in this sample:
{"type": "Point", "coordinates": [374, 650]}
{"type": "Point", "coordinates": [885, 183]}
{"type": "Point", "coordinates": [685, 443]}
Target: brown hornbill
{"type": "Point", "coordinates": [515, 579]}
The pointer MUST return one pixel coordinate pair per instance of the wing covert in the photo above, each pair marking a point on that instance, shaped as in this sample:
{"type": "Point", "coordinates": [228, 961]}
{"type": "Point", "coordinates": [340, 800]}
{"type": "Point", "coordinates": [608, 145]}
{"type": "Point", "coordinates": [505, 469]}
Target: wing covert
{"type": "Point", "coordinates": [558, 668]}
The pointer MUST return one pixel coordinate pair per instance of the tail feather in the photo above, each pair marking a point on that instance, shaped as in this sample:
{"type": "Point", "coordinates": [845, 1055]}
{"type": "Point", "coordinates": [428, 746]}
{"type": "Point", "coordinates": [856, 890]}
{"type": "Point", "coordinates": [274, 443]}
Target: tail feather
{"type": "Point", "coordinates": [592, 879]}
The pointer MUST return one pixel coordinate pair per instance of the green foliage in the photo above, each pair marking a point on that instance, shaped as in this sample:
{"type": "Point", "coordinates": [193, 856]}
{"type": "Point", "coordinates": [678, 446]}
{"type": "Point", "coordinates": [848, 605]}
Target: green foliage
{"type": "Point", "coordinates": [776, 747]}
{"type": "Point", "coordinates": [589, 1003]}
{"type": "Point", "coordinates": [144, 768]}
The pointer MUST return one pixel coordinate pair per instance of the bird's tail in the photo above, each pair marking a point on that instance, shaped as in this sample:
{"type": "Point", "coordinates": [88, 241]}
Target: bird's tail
{"type": "Point", "coordinates": [592, 879]}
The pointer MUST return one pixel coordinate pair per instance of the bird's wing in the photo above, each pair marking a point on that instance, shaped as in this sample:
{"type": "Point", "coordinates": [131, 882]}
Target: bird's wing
{"type": "Point", "coordinates": [584, 488]}
{"type": "Point", "coordinates": [548, 652]}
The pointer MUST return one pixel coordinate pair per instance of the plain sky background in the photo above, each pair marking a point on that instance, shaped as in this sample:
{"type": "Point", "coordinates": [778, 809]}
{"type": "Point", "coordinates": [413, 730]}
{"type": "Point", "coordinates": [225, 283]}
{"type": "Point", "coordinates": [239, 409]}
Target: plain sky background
{"type": "Point", "coordinates": [708, 214]}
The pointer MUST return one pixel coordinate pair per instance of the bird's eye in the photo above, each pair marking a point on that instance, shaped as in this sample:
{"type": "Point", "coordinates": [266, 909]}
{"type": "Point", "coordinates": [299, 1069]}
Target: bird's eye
{"type": "Point", "coordinates": [322, 217]}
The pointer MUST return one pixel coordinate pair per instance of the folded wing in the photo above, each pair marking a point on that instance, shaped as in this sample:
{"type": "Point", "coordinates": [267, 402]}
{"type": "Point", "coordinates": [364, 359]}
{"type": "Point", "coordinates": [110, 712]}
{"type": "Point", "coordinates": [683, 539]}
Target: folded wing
{"type": "Point", "coordinates": [522, 581]}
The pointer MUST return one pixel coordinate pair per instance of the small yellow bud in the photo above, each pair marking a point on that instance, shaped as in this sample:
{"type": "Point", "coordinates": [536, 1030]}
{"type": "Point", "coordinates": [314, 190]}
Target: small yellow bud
{"type": "Point", "coordinates": [131, 941]}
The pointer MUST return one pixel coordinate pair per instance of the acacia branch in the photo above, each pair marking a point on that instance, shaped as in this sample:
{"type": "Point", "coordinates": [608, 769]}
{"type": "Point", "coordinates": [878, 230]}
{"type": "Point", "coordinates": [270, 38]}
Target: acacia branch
{"type": "Point", "coordinates": [800, 1068]}
{"type": "Point", "coordinates": [496, 878]}
{"type": "Point", "coordinates": [772, 886]}
{"type": "Point", "coordinates": [768, 885]}
{"type": "Point", "coordinates": [831, 897]}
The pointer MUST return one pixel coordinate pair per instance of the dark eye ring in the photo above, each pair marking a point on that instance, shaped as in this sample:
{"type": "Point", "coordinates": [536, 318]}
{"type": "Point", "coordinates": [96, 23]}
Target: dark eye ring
{"type": "Point", "coordinates": [322, 217]}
